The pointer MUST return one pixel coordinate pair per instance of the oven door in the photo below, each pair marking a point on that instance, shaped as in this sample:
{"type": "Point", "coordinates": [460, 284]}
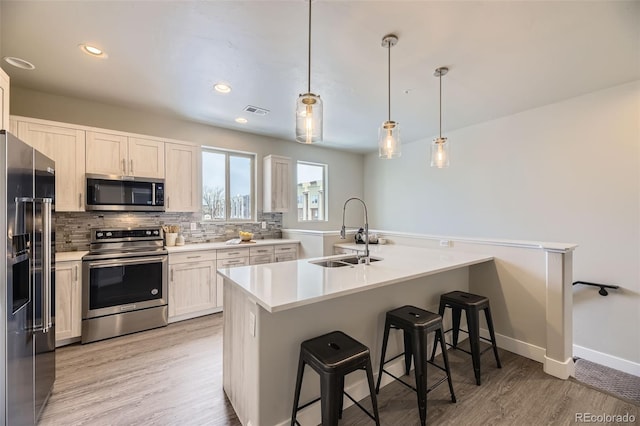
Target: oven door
{"type": "Point", "coordinates": [114, 286]}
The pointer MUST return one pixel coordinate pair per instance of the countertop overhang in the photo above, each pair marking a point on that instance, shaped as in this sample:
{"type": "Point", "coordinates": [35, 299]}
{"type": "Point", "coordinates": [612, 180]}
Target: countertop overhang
{"type": "Point", "coordinates": [223, 245]}
{"type": "Point", "coordinates": [286, 285]}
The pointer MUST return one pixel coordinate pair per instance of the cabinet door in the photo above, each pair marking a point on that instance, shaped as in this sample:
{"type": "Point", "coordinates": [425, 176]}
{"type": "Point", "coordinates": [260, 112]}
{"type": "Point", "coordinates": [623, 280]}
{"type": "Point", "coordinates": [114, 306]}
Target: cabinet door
{"type": "Point", "coordinates": [192, 287]}
{"type": "Point", "coordinates": [107, 154]}
{"type": "Point", "coordinates": [277, 183]}
{"type": "Point", "coordinates": [146, 158]}
{"type": "Point", "coordinates": [68, 301]}
{"type": "Point", "coordinates": [182, 181]}
{"type": "Point", "coordinates": [4, 100]}
{"type": "Point", "coordinates": [66, 147]}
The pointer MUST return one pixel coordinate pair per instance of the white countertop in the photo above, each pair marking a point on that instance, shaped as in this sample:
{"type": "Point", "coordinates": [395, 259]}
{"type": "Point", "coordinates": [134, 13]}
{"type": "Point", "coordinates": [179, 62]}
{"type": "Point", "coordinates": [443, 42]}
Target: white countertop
{"type": "Point", "coordinates": [223, 245]}
{"type": "Point", "coordinates": [69, 256]}
{"type": "Point", "coordinates": [285, 285]}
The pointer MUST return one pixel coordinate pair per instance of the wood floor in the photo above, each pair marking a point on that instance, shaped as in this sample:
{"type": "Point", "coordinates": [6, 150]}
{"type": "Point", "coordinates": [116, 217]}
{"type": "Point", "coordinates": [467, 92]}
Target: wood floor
{"type": "Point", "coordinates": [173, 376]}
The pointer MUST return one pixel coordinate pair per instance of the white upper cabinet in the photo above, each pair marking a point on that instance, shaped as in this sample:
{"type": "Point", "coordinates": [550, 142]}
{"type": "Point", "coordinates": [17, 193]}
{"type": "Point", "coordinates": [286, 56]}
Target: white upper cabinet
{"type": "Point", "coordinates": [114, 154]}
{"type": "Point", "coordinates": [4, 100]}
{"type": "Point", "coordinates": [277, 183]}
{"type": "Point", "coordinates": [65, 146]}
{"type": "Point", "coordinates": [182, 183]}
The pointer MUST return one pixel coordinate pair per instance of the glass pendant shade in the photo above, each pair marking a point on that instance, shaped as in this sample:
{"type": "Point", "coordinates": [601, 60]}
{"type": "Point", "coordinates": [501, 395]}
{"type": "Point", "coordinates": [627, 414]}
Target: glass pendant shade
{"type": "Point", "coordinates": [389, 140]}
{"type": "Point", "coordinates": [309, 118]}
{"type": "Point", "coordinates": [440, 153]}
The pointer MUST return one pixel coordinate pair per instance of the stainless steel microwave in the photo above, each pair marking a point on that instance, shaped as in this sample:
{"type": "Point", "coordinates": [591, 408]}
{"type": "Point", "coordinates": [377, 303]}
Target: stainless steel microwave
{"type": "Point", "coordinates": [124, 193]}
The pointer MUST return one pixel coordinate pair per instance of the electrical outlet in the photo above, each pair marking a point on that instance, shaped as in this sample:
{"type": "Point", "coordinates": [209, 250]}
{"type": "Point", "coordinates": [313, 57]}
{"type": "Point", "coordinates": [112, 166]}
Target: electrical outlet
{"type": "Point", "coordinates": [264, 225]}
{"type": "Point", "coordinates": [194, 226]}
{"type": "Point", "coordinates": [445, 243]}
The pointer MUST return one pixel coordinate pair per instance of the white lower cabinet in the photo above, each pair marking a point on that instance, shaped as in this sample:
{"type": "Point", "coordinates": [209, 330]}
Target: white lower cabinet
{"type": "Point", "coordinates": [284, 252]}
{"type": "Point", "coordinates": [68, 302]}
{"type": "Point", "coordinates": [192, 285]}
{"type": "Point", "coordinates": [195, 289]}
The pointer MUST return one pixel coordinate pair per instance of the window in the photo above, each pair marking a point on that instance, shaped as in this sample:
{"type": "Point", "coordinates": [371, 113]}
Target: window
{"type": "Point", "coordinates": [312, 194]}
{"type": "Point", "coordinates": [227, 185]}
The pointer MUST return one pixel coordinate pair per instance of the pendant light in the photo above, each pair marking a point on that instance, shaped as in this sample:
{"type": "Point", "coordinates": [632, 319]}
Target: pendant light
{"type": "Point", "coordinates": [309, 108]}
{"type": "Point", "coordinates": [440, 146]}
{"type": "Point", "coordinates": [389, 133]}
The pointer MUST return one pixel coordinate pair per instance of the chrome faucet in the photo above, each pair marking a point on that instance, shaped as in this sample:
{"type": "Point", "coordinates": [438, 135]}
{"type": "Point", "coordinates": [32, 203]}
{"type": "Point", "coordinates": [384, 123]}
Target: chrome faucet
{"type": "Point", "coordinates": [343, 233]}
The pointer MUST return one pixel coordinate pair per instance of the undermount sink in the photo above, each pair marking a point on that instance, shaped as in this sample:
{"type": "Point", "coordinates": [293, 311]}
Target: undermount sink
{"type": "Point", "coordinates": [344, 261]}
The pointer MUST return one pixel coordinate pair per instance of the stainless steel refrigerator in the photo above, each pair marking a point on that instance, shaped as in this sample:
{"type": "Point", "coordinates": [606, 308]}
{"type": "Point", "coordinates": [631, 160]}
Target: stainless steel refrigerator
{"type": "Point", "coordinates": [27, 296]}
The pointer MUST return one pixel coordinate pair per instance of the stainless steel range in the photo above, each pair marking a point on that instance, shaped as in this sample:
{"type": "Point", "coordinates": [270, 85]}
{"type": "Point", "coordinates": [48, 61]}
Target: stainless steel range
{"type": "Point", "coordinates": [124, 283]}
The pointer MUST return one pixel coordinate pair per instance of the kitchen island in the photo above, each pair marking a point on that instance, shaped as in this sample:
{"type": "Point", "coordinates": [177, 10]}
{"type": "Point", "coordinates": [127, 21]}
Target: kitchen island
{"type": "Point", "coordinates": [272, 308]}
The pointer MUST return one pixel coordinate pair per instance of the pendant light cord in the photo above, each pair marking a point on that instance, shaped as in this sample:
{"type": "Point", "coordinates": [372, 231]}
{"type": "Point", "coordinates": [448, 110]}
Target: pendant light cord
{"type": "Point", "coordinates": [440, 104]}
{"type": "Point", "coordinates": [309, 61]}
{"type": "Point", "coordinates": [389, 80]}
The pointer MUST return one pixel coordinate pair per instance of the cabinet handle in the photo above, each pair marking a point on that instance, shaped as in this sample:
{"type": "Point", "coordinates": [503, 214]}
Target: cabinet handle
{"type": "Point", "coordinates": [80, 200]}
{"type": "Point", "coordinates": [131, 167]}
{"type": "Point", "coordinates": [75, 269]}
{"type": "Point", "coordinates": [124, 167]}
{"type": "Point", "coordinates": [171, 274]}
{"type": "Point", "coordinates": [232, 262]}
{"type": "Point", "coordinates": [193, 257]}
{"type": "Point", "coordinates": [168, 198]}
{"type": "Point", "coordinates": [235, 252]}
{"type": "Point", "coordinates": [285, 248]}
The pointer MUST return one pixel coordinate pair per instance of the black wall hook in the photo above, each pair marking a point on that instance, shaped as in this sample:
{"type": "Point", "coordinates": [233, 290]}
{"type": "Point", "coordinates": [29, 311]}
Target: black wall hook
{"type": "Point", "coordinates": [603, 287]}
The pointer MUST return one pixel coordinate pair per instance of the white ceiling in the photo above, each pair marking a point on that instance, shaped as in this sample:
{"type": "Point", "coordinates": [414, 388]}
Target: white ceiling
{"type": "Point", "coordinates": [504, 57]}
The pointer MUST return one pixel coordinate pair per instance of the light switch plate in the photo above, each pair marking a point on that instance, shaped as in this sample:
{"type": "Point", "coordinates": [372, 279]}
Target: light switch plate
{"type": "Point", "coordinates": [264, 225]}
{"type": "Point", "coordinates": [193, 226]}
{"type": "Point", "coordinates": [252, 324]}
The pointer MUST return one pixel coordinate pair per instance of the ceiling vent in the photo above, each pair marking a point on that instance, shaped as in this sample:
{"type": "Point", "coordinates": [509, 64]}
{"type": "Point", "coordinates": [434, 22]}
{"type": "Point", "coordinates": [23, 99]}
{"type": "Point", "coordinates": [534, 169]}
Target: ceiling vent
{"type": "Point", "coordinates": [256, 110]}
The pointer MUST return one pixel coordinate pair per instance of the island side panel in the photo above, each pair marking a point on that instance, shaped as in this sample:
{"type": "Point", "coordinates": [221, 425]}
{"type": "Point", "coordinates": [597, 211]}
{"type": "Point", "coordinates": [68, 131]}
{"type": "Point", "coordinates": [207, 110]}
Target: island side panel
{"type": "Point", "coordinates": [360, 315]}
{"type": "Point", "coordinates": [240, 354]}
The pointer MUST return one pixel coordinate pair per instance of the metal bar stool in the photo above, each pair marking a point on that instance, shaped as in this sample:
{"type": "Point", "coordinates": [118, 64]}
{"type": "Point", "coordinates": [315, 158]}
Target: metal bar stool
{"type": "Point", "coordinates": [416, 324]}
{"type": "Point", "coordinates": [471, 304]}
{"type": "Point", "coordinates": [333, 356]}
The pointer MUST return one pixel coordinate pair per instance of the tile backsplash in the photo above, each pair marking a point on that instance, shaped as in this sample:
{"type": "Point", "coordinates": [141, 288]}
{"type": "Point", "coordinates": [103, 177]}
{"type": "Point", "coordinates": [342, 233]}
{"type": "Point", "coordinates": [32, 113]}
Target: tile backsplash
{"type": "Point", "coordinates": [73, 228]}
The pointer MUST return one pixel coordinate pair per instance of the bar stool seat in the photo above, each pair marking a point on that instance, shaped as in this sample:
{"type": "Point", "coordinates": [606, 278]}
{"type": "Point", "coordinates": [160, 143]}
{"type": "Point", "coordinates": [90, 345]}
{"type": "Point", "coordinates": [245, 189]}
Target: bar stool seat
{"type": "Point", "coordinates": [333, 356]}
{"type": "Point", "coordinates": [471, 304]}
{"type": "Point", "coordinates": [416, 325]}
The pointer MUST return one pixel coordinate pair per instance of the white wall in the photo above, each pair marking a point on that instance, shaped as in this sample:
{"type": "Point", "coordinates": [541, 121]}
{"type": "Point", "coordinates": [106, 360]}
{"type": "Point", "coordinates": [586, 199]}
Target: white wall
{"type": "Point", "coordinates": [345, 169]}
{"type": "Point", "coordinates": [565, 172]}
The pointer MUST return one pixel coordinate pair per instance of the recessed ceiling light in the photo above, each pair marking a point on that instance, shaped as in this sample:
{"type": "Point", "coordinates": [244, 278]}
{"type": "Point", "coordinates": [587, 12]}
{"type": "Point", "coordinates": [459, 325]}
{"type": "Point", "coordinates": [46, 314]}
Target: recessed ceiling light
{"type": "Point", "coordinates": [222, 87]}
{"type": "Point", "coordinates": [241, 120]}
{"type": "Point", "coordinates": [19, 63]}
{"type": "Point", "coordinates": [92, 50]}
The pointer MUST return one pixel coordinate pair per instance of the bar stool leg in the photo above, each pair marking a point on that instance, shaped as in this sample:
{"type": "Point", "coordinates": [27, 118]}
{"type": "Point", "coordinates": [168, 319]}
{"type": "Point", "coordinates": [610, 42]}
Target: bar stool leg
{"type": "Point", "coordinates": [439, 335]}
{"type": "Point", "coordinates": [341, 400]}
{"type": "Point", "coordinates": [385, 339]}
{"type": "Point", "coordinates": [372, 392]}
{"type": "Point", "coordinates": [419, 352]}
{"type": "Point", "coordinates": [474, 339]}
{"type": "Point", "coordinates": [407, 352]}
{"type": "Point", "coordinates": [487, 314]}
{"type": "Point", "coordinates": [329, 400]}
{"type": "Point", "coordinates": [296, 398]}
{"type": "Point", "coordinates": [455, 316]}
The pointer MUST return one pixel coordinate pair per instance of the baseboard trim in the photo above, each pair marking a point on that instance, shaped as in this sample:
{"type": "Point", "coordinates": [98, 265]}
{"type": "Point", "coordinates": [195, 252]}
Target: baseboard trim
{"type": "Point", "coordinates": [527, 350]}
{"type": "Point", "coordinates": [611, 361]}
{"type": "Point", "coordinates": [560, 369]}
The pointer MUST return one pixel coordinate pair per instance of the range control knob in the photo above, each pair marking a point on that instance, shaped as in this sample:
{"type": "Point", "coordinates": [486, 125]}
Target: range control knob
{"type": "Point", "coordinates": [148, 232]}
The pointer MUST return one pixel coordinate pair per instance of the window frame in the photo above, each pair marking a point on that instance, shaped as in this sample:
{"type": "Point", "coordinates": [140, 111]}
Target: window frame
{"type": "Point", "coordinates": [227, 184]}
{"type": "Point", "coordinates": [325, 184]}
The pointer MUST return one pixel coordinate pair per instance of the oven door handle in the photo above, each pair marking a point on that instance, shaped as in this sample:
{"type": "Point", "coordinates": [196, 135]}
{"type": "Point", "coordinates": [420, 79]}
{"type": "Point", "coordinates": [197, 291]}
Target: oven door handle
{"type": "Point", "coordinates": [124, 262]}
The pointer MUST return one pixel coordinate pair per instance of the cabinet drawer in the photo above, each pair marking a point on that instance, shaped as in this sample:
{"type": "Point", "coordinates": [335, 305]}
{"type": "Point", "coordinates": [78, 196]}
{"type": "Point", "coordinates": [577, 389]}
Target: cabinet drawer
{"type": "Point", "coordinates": [282, 257]}
{"type": "Point", "coordinates": [286, 248]}
{"type": "Point", "coordinates": [233, 252]}
{"type": "Point", "coordinates": [192, 256]}
{"type": "Point", "coordinates": [263, 258]}
{"type": "Point", "coordinates": [261, 250]}
{"type": "Point", "coordinates": [236, 261]}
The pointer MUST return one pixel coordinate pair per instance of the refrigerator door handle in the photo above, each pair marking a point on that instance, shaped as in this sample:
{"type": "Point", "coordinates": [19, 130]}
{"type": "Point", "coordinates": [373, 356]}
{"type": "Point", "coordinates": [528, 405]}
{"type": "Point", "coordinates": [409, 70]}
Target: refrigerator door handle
{"type": "Point", "coordinates": [47, 314]}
